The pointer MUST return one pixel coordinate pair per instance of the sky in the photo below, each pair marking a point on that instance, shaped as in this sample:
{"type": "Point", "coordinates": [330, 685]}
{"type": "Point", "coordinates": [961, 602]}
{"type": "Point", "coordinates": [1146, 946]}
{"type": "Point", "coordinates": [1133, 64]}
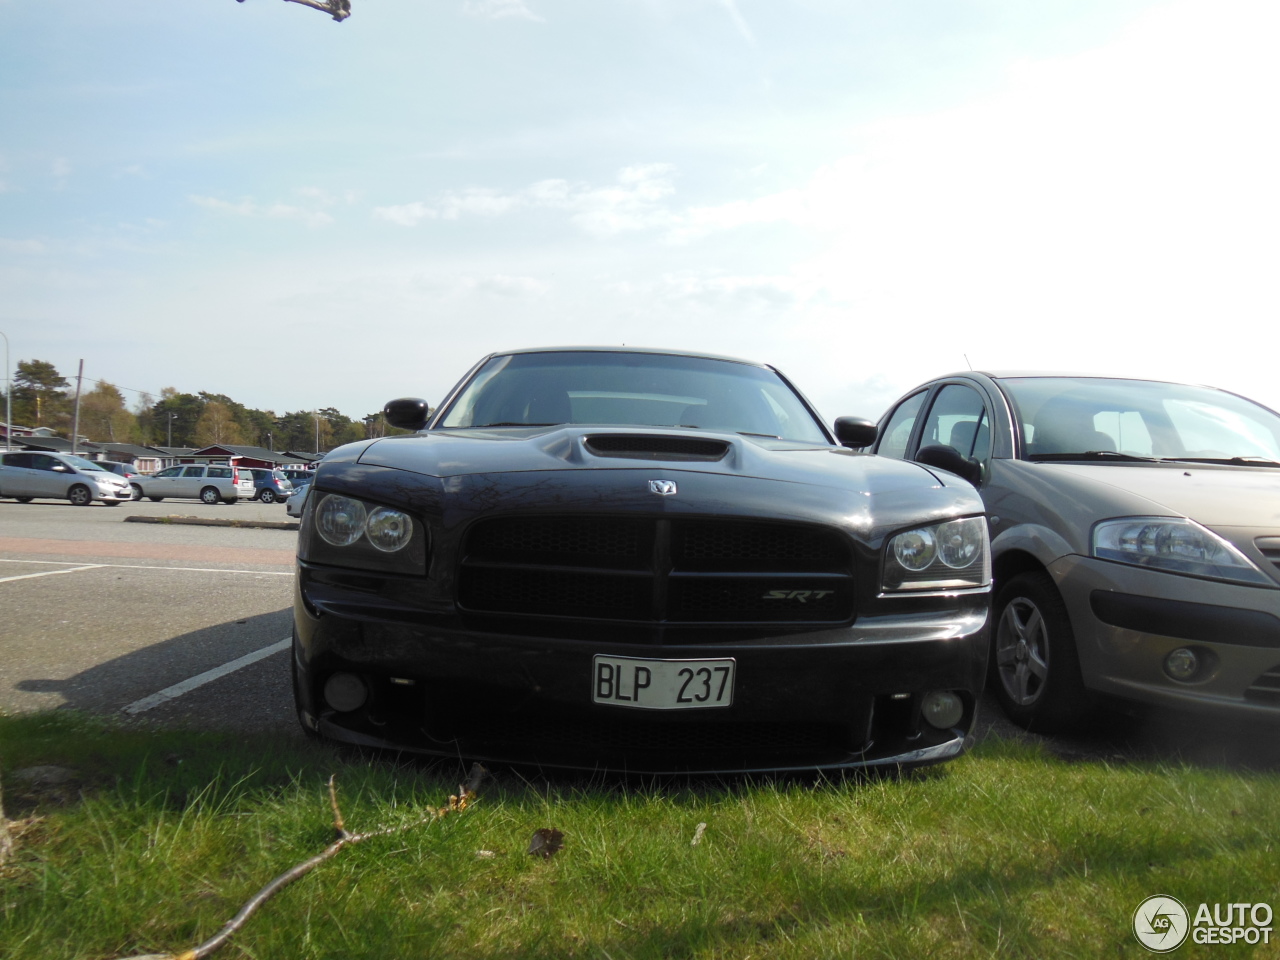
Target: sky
{"type": "Point", "coordinates": [252, 199]}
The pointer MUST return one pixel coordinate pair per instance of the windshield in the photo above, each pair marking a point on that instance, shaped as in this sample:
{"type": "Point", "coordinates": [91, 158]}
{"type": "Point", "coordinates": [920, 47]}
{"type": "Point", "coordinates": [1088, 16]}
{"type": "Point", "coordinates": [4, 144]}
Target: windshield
{"type": "Point", "coordinates": [632, 389]}
{"type": "Point", "coordinates": [80, 463]}
{"type": "Point", "coordinates": [1062, 416]}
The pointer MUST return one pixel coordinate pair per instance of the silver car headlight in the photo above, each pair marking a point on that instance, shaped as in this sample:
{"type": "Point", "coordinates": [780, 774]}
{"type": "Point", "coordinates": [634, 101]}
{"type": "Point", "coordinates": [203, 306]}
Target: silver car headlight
{"type": "Point", "coordinates": [1174, 545]}
{"type": "Point", "coordinates": [941, 556]}
{"type": "Point", "coordinates": [348, 532]}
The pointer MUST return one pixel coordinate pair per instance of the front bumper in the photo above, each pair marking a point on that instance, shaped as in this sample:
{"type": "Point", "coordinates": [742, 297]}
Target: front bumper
{"type": "Point", "coordinates": [1127, 620]}
{"type": "Point", "coordinates": [824, 699]}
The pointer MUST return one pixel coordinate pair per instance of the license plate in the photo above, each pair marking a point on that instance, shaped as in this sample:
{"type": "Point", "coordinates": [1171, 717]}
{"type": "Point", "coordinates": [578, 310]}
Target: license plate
{"type": "Point", "coordinates": [662, 684]}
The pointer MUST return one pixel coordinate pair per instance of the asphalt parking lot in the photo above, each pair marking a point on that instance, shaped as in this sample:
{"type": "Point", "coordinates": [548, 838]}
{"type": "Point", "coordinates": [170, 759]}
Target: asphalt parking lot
{"type": "Point", "coordinates": [182, 624]}
{"type": "Point", "coordinates": [163, 621]}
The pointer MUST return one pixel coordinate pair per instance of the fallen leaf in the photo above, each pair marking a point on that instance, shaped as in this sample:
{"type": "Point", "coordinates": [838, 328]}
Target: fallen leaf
{"type": "Point", "coordinates": [546, 842]}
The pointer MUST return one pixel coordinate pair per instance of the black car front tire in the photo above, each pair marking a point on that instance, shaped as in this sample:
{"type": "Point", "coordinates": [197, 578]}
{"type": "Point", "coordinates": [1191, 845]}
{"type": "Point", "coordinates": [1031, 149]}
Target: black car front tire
{"type": "Point", "coordinates": [1035, 669]}
{"type": "Point", "coordinates": [267, 496]}
{"type": "Point", "coordinates": [137, 491]}
{"type": "Point", "coordinates": [80, 495]}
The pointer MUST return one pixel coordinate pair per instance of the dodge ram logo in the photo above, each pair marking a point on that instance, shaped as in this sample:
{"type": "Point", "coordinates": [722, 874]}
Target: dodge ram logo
{"type": "Point", "coordinates": [663, 488]}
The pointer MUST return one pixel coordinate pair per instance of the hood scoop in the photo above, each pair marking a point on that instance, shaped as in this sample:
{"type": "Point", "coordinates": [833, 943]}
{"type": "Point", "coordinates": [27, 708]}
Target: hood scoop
{"type": "Point", "coordinates": [638, 446]}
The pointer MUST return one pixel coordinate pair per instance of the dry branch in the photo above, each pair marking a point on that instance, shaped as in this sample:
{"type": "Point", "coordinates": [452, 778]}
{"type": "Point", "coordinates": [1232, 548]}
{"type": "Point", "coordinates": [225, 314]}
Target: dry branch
{"type": "Point", "coordinates": [465, 796]}
{"type": "Point", "coordinates": [6, 838]}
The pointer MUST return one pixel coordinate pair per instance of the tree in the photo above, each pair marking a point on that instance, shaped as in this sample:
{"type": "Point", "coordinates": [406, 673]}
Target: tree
{"type": "Point", "coordinates": [185, 409]}
{"type": "Point", "coordinates": [103, 416]}
{"type": "Point", "coordinates": [338, 9]}
{"type": "Point", "coordinates": [216, 425]}
{"type": "Point", "coordinates": [38, 397]}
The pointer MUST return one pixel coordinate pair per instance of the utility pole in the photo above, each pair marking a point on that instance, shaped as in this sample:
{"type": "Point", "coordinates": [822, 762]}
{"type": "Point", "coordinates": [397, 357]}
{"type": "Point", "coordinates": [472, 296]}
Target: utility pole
{"type": "Point", "coordinates": [75, 420]}
{"type": "Point", "coordinates": [8, 403]}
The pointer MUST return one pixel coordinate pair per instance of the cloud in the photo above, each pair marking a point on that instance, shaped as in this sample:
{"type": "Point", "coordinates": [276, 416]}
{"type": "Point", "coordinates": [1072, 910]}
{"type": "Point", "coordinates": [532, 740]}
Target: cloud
{"type": "Point", "coordinates": [61, 168]}
{"type": "Point", "coordinates": [506, 286]}
{"type": "Point", "coordinates": [499, 10]}
{"type": "Point", "coordinates": [274, 211]}
{"type": "Point", "coordinates": [21, 246]}
{"type": "Point", "coordinates": [634, 202]}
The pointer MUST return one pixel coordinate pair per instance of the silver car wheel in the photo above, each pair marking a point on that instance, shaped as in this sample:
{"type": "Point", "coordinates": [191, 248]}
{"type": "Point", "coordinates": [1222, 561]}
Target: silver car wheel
{"type": "Point", "coordinates": [210, 495]}
{"type": "Point", "coordinates": [1022, 651]}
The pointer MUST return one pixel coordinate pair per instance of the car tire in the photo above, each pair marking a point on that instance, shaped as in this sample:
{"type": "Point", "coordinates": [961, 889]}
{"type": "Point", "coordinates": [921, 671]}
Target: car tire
{"type": "Point", "coordinates": [137, 491]}
{"type": "Point", "coordinates": [24, 499]}
{"type": "Point", "coordinates": [80, 495]}
{"type": "Point", "coordinates": [210, 495]}
{"type": "Point", "coordinates": [111, 503]}
{"type": "Point", "coordinates": [155, 499]}
{"type": "Point", "coordinates": [267, 496]}
{"type": "Point", "coordinates": [1035, 668]}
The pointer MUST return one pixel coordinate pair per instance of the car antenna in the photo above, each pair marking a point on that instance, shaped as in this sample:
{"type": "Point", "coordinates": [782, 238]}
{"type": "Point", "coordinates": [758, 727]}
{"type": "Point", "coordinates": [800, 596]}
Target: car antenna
{"type": "Point", "coordinates": [966, 360]}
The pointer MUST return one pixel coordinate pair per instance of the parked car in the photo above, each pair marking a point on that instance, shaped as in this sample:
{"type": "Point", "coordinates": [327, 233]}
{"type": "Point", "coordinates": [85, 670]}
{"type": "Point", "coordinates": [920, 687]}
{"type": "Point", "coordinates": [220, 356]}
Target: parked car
{"type": "Point", "coordinates": [299, 478]}
{"type": "Point", "coordinates": [209, 483]}
{"type": "Point", "coordinates": [1135, 533]}
{"type": "Point", "coordinates": [295, 504]}
{"type": "Point", "coordinates": [269, 485]}
{"type": "Point", "coordinates": [25, 476]}
{"type": "Point", "coordinates": [126, 470]}
{"type": "Point", "coordinates": [643, 561]}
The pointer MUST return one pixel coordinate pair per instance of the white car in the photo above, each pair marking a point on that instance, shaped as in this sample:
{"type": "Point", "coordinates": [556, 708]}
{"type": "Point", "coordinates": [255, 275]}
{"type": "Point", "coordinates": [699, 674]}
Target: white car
{"type": "Point", "coordinates": [294, 505]}
{"type": "Point", "coordinates": [27, 475]}
{"type": "Point", "coordinates": [208, 483]}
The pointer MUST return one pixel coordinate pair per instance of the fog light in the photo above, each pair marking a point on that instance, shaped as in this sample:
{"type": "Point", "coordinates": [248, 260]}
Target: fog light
{"type": "Point", "coordinates": [942, 709]}
{"type": "Point", "coordinates": [345, 692]}
{"type": "Point", "coordinates": [1182, 664]}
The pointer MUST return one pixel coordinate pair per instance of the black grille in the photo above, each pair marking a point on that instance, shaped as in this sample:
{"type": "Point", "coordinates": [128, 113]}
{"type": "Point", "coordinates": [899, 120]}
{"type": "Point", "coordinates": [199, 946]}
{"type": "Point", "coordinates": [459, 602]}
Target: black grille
{"type": "Point", "coordinates": [657, 571]}
{"type": "Point", "coordinates": [642, 447]}
{"type": "Point", "coordinates": [1266, 688]}
{"type": "Point", "coordinates": [755, 541]}
{"type": "Point", "coordinates": [563, 541]}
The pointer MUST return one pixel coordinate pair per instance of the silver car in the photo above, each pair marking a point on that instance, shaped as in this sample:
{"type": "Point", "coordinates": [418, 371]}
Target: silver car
{"type": "Point", "coordinates": [24, 476]}
{"type": "Point", "coordinates": [211, 483]}
{"type": "Point", "coordinates": [1135, 534]}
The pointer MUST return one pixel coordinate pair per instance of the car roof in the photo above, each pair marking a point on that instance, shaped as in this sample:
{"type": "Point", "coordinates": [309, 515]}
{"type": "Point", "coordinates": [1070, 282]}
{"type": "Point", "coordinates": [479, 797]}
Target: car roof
{"type": "Point", "coordinates": [1063, 374]}
{"type": "Point", "coordinates": [625, 349]}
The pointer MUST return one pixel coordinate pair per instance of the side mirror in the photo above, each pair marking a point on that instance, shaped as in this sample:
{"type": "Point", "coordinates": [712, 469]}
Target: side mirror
{"type": "Point", "coordinates": [407, 413]}
{"type": "Point", "coordinates": [61, 468]}
{"type": "Point", "coordinates": [855, 432]}
{"type": "Point", "coordinates": [948, 458]}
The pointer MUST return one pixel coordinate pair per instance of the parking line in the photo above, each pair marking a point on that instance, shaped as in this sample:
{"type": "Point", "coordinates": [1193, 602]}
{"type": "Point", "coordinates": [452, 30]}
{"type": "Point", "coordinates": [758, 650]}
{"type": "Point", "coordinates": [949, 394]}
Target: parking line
{"type": "Point", "coordinates": [49, 573]}
{"type": "Point", "coordinates": [144, 566]}
{"type": "Point", "coordinates": [200, 679]}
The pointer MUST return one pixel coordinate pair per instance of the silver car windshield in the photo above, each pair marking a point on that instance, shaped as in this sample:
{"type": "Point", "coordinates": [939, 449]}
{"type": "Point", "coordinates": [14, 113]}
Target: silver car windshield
{"type": "Point", "coordinates": [80, 463]}
{"type": "Point", "coordinates": [632, 389]}
{"type": "Point", "coordinates": [1063, 418]}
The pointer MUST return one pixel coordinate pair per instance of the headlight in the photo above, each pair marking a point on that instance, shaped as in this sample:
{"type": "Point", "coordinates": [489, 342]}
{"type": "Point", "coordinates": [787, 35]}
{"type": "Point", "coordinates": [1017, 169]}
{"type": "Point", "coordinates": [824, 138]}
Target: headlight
{"type": "Point", "coordinates": [347, 532]}
{"type": "Point", "coordinates": [941, 556]}
{"type": "Point", "coordinates": [1174, 545]}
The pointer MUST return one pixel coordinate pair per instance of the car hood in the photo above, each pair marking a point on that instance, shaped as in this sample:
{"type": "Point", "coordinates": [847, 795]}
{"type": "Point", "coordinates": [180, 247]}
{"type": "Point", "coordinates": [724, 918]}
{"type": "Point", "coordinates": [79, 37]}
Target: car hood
{"type": "Point", "coordinates": [465, 452]}
{"type": "Point", "coordinates": [1213, 496]}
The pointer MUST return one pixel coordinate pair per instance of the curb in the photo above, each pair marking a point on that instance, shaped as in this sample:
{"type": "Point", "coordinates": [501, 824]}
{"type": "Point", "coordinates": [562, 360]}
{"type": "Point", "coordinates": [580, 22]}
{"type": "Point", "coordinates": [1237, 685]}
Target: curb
{"type": "Point", "coordinates": [210, 522]}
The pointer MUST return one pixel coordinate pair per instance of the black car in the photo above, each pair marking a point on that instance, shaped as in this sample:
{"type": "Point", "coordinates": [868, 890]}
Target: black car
{"type": "Point", "coordinates": [643, 561]}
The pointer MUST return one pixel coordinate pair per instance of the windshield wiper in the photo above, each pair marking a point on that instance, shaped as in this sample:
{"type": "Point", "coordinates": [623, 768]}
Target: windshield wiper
{"type": "Point", "coordinates": [767, 436]}
{"type": "Point", "coordinates": [1094, 455]}
{"type": "Point", "coordinates": [1238, 461]}
{"type": "Point", "coordinates": [511, 423]}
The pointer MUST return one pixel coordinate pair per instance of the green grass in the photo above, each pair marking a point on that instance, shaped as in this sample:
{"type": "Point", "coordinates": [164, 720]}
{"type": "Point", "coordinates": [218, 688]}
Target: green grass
{"type": "Point", "coordinates": [1005, 852]}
